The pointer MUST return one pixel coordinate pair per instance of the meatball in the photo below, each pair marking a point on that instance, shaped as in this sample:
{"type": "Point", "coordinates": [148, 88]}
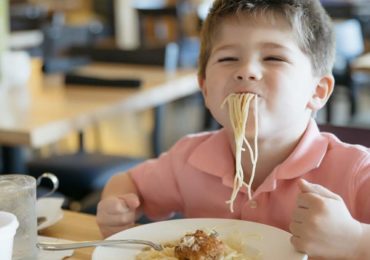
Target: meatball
{"type": "Point", "coordinates": [199, 246]}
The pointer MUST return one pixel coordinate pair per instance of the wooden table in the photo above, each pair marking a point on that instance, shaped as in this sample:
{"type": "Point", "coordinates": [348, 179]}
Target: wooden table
{"type": "Point", "coordinates": [76, 227]}
{"type": "Point", "coordinates": [47, 110]}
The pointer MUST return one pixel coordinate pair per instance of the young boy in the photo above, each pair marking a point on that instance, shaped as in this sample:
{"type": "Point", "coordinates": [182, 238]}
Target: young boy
{"type": "Point", "coordinates": [281, 52]}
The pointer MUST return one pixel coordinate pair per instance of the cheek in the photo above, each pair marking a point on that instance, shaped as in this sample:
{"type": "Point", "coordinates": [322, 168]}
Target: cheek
{"type": "Point", "coordinates": [284, 94]}
{"type": "Point", "coordinates": [279, 77]}
{"type": "Point", "coordinates": [213, 101]}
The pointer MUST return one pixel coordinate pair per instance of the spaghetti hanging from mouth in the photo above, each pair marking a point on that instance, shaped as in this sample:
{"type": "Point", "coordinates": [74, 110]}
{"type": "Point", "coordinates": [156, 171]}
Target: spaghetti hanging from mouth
{"type": "Point", "coordinates": [239, 107]}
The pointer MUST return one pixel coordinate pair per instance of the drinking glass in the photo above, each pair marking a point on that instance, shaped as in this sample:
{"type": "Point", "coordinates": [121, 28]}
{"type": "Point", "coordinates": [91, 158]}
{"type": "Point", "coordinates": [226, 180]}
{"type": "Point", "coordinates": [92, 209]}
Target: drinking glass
{"type": "Point", "coordinates": [18, 196]}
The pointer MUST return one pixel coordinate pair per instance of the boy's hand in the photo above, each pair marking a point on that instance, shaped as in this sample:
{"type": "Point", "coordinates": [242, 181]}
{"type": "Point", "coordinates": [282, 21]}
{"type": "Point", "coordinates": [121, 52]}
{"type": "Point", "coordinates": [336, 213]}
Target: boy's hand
{"type": "Point", "coordinates": [116, 213]}
{"type": "Point", "coordinates": [322, 226]}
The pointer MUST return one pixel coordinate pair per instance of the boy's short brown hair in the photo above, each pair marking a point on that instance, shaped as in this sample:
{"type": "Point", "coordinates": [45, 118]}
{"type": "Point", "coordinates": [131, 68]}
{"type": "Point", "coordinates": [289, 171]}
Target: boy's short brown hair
{"type": "Point", "coordinates": [309, 21]}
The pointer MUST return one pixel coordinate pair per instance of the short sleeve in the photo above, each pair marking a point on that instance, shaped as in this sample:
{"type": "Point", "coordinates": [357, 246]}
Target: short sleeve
{"type": "Point", "coordinates": [157, 187]}
{"type": "Point", "coordinates": [362, 190]}
{"type": "Point", "coordinates": [157, 180]}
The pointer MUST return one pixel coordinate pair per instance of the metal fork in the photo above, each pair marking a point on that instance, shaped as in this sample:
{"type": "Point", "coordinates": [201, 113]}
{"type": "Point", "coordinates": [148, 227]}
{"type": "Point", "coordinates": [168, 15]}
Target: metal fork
{"type": "Point", "coordinates": [52, 246]}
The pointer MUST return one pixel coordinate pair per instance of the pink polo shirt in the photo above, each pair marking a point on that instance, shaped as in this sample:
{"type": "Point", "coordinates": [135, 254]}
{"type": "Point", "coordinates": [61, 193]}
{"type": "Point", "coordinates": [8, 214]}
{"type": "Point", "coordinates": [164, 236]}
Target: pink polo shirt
{"type": "Point", "coordinates": [195, 178]}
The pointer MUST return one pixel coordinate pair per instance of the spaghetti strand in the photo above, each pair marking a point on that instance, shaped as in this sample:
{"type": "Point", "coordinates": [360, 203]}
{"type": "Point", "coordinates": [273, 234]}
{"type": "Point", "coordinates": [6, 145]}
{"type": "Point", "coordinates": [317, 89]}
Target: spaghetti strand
{"type": "Point", "coordinates": [238, 106]}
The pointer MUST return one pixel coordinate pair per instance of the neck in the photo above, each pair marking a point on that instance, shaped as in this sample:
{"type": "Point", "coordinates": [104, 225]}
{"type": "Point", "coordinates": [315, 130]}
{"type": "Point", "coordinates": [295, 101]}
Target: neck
{"type": "Point", "coordinates": [271, 154]}
{"type": "Point", "coordinates": [272, 151]}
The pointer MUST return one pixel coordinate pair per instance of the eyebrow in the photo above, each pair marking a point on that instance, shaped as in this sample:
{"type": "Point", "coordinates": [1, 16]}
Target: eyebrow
{"type": "Point", "coordinates": [263, 45]}
{"type": "Point", "coordinates": [273, 45]}
{"type": "Point", "coordinates": [224, 47]}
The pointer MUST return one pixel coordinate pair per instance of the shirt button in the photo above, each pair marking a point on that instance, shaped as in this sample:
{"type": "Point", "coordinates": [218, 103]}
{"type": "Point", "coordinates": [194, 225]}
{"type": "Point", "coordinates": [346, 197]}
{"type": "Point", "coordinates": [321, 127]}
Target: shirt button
{"type": "Point", "coordinates": [253, 204]}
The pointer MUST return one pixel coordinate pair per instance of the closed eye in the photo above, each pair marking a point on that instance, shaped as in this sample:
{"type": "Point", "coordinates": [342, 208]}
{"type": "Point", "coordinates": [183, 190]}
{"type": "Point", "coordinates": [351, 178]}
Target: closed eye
{"type": "Point", "coordinates": [274, 58]}
{"type": "Point", "coordinates": [225, 59]}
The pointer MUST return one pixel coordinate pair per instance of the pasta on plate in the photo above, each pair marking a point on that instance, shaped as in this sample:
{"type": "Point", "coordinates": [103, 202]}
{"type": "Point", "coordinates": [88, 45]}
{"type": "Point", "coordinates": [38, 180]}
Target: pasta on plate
{"type": "Point", "coordinates": [201, 245]}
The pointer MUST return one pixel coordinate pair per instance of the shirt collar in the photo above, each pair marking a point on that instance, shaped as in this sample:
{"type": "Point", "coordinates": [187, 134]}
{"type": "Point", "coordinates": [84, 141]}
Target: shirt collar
{"type": "Point", "coordinates": [214, 156]}
{"type": "Point", "coordinates": [307, 156]}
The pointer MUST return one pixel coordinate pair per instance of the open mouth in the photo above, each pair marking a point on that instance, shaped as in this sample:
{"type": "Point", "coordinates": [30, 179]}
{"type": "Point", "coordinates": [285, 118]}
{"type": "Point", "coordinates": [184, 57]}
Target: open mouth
{"type": "Point", "coordinates": [247, 92]}
{"type": "Point", "coordinates": [241, 98]}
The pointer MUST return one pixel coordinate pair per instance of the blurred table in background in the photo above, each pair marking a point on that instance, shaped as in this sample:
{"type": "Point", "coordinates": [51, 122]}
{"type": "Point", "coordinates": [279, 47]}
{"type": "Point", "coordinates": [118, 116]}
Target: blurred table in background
{"type": "Point", "coordinates": [47, 110]}
{"type": "Point", "coordinates": [362, 63]}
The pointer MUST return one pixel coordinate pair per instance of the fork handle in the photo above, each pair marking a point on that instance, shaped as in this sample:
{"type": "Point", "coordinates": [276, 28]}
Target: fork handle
{"type": "Point", "coordinates": [75, 245]}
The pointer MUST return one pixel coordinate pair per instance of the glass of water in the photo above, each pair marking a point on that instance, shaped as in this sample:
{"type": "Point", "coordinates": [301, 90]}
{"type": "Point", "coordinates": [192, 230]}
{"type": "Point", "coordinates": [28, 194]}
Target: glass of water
{"type": "Point", "coordinates": [18, 196]}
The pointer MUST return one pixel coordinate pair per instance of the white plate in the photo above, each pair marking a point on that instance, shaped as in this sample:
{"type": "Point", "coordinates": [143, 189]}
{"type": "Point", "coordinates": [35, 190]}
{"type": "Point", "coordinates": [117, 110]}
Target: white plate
{"type": "Point", "coordinates": [51, 209]}
{"type": "Point", "coordinates": [273, 243]}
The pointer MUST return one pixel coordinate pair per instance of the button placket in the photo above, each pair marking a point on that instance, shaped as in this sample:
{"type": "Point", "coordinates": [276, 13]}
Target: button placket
{"type": "Point", "coordinates": [253, 204]}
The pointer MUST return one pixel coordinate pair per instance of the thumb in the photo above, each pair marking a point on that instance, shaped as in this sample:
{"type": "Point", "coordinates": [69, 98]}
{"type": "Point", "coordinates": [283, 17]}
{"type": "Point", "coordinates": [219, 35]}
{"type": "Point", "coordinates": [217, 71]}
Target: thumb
{"type": "Point", "coordinates": [308, 187]}
{"type": "Point", "coordinates": [130, 200]}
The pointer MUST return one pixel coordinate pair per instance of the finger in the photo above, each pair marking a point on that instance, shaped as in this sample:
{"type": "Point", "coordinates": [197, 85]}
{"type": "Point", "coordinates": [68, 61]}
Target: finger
{"type": "Point", "coordinates": [299, 215]}
{"type": "Point", "coordinates": [108, 231]}
{"type": "Point", "coordinates": [307, 187]}
{"type": "Point", "coordinates": [130, 201]}
{"type": "Point", "coordinates": [112, 206]}
{"type": "Point", "coordinates": [298, 244]}
{"type": "Point", "coordinates": [304, 246]}
{"type": "Point", "coordinates": [309, 200]}
{"type": "Point", "coordinates": [296, 229]}
{"type": "Point", "coordinates": [298, 239]}
{"type": "Point", "coordinates": [118, 219]}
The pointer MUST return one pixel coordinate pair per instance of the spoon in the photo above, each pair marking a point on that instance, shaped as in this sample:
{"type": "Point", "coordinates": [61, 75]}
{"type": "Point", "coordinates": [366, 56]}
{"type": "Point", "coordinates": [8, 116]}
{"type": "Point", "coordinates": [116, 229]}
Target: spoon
{"type": "Point", "coordinates": [74, 245]}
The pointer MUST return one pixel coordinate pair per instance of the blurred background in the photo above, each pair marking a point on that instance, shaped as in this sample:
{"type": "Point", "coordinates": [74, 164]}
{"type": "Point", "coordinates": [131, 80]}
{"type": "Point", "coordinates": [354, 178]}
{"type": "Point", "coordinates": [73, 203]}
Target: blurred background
{"type": "Point", "coordinates": [67, 34]}
{"type": "Point", "coordinates": [36, 25]}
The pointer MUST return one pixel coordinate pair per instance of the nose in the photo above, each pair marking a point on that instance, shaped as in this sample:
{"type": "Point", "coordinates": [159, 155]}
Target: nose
{"type": "Point", "coordinates": [248, 71]}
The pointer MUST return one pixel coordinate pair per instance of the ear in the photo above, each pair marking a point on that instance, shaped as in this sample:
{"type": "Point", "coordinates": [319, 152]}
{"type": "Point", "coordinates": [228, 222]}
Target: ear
{"type": "Point", "coordinates": [322, 92]}
{"type": "Point", "coordinates": [203, 88]}
{"type": "Point", "coordinates": [201, 82]}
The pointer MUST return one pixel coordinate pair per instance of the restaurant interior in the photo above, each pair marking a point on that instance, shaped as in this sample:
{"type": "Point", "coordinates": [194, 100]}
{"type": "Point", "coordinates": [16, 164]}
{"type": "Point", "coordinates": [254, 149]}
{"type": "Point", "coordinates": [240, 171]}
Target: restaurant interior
{"type": "Point", "coordinates": [94, 87]}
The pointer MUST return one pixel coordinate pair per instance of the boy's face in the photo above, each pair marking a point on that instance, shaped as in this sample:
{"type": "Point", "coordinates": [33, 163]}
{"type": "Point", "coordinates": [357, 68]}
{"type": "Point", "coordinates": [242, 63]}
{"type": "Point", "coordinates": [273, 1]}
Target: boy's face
{"type": "Point", "coordinates": [257, 57]}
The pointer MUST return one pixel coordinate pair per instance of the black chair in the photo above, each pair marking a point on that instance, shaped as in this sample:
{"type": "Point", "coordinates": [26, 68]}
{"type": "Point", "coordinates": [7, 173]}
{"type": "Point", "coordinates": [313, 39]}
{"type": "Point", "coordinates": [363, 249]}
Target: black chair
{"type": "Point", "coordinates": [166, 55]}
{"type": "Point", "coordinates": [349, 46]}
{"type": "Point", "coordinates": [349, 134]}
{"type": "Point", "coordinates": [342, 9]}
{"type": "Point", "coordinates": [25, 16]}
{"type": "Point", "coordinates": [59, 38]}
{"type": "Point", "coordinates": [82, 175]}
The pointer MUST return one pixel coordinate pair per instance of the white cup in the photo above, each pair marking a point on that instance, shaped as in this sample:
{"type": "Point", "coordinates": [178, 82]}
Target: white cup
{"type": "Point", "coordinates": [8, 227]}
{"type": "Point", "coordinates": [15, 69]}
